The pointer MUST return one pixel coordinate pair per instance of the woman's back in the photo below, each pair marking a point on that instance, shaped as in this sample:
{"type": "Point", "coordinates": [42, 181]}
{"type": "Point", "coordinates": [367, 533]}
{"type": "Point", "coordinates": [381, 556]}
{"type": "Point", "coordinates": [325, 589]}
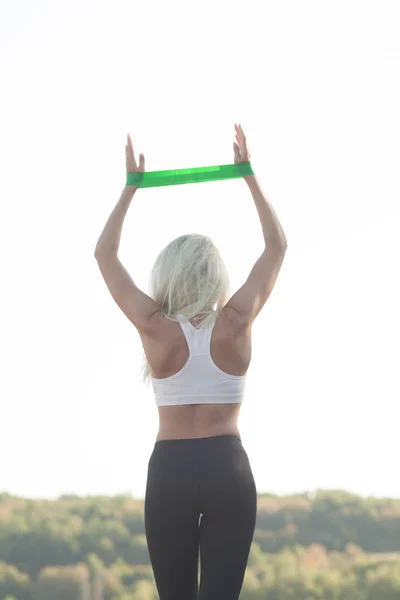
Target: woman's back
{"type": "Point", "coordinates": [167, 351]}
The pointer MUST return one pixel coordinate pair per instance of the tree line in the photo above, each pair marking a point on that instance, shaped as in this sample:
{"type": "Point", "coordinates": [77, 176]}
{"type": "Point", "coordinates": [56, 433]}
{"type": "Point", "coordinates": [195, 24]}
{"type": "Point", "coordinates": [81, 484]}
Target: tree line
{"type": "Point", "coordinates": [330, 545]}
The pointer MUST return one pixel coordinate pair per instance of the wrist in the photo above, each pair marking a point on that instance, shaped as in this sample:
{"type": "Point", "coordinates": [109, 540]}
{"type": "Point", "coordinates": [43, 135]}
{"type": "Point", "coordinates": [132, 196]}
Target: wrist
{"type": "Point", "coordinates": [134, 178]}
{"type": "Point", "coordinates": [127, 195]}
{"type": "Point", "coordinates": [130, 189]}
{"type": "Point", "coordinates": [250, 179]}
{"type": "Point", "coordinates": [246, 170]}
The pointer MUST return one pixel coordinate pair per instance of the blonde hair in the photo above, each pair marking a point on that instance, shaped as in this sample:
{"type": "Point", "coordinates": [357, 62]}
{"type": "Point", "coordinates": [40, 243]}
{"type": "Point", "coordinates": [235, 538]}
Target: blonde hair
{"type": "Point", "coordinates": [189, 278]}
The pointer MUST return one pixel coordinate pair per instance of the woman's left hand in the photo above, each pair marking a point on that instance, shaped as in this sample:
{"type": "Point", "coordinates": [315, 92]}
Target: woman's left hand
{"type": "Point", "coordinates": [131, 164]}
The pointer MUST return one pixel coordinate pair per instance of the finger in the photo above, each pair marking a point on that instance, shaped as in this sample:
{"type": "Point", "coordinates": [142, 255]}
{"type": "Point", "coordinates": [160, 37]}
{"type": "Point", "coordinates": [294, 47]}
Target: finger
{"type": "Point", "coordinates": [239, 130]}
{"type": "Point", "coordinates": [243, 142]}
{"type": "Point", "coordinates": [141, 162]}
{"type": "Point", "coordinates": [131, 153]}
{"type": "Point", "coordinates": [236, 152]}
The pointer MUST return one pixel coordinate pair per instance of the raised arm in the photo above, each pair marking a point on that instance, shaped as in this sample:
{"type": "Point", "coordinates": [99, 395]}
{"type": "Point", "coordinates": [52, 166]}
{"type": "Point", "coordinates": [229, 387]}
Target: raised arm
{"type": "Point", "coordinates": [140, 309]}
{"type": "Point", "coordinates": [251, 297]}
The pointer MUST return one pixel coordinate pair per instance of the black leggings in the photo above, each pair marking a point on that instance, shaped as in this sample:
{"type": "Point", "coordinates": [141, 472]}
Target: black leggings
{"type": "Point", "coordinates": [200, 499]}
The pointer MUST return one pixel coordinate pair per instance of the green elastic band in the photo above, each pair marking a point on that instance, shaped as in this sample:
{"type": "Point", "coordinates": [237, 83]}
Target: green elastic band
{"type": "Point", "coordinates": [196, 175]}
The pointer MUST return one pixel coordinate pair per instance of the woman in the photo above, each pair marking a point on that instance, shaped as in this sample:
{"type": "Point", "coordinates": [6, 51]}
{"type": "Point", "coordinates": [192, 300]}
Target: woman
{"type": "Point", "coordinates": [201, 497]}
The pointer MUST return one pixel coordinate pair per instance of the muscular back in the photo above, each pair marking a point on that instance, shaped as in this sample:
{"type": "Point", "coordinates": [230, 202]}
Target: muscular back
{"type": "Point", "coordinates": [167, 351]}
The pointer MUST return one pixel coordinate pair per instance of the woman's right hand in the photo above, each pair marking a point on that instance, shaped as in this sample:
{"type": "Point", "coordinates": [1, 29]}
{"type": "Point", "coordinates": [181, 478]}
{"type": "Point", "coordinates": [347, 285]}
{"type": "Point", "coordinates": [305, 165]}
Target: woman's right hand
{"type": "Point", "coordinates": [241, 152]}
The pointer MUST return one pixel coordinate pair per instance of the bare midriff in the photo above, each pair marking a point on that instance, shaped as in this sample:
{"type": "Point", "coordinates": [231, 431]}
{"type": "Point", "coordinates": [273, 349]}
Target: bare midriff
{"type": "Point", "coordinates": [198, 421]}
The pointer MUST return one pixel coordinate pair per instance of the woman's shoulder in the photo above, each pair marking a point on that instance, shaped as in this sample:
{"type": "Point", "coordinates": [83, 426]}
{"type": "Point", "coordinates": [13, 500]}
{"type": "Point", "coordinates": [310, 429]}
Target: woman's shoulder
{"type": "Point", "coordinates": [161, 325]}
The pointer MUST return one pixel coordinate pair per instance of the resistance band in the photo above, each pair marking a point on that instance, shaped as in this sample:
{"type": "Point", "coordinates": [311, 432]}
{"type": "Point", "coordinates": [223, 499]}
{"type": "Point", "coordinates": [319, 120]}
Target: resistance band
{"type": "Point", "coordinates": [196, 175]}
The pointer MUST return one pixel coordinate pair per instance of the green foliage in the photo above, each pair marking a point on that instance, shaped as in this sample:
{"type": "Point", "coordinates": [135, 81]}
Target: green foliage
{"type": "Point", "coordinates": [326, 546]}
{"type": "Point", "coordinates": [334, 519]}
{"type": "Point", "coordinates": [63, 583]}
{"type": "Point", "coordinates": [13, 582]}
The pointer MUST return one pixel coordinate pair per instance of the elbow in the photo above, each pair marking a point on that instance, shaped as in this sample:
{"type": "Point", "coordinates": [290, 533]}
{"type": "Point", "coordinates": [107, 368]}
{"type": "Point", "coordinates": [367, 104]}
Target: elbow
{"type": "Point", "coordinates": [283, 242]}
{"type": "Point", "coordinates": [102, 256]}
{"type": "Point", "coordinates": [96, 251]}
{"type": "Point", "coordinates": [100, 253]}
{"type": "Point", "coordinates": [282, 239]}
{"type": "Point", "coordinates": [278, 243]}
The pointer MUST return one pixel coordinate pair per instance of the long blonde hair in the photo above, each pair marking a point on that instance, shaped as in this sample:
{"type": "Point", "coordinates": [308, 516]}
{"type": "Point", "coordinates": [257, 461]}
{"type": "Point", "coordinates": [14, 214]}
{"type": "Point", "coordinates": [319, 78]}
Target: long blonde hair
{"type": "Point", "coordinates": [189, 278]}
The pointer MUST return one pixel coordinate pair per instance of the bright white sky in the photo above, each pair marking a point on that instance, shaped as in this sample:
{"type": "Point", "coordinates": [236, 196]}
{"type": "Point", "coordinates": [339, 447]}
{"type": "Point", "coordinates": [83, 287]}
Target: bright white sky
{"type": "Point", "coordinates": [316, 86]}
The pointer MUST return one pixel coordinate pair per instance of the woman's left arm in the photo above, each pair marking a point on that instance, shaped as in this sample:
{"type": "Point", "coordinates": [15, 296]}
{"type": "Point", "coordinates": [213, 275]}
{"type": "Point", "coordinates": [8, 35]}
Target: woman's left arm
{"type": "Point", "coordinates": [135, 304]}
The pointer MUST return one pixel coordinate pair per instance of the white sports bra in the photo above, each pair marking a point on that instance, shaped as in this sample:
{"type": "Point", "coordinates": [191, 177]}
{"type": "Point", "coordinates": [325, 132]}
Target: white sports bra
{"type": "Point", "coordinates": [199, 381]}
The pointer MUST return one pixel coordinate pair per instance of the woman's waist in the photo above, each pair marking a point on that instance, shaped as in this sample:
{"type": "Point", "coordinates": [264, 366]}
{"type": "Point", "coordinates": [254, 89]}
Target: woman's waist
{"type": "Point", "coordinates": [199, 415]}
{"type": "Point", "coordinates": [198, 421]}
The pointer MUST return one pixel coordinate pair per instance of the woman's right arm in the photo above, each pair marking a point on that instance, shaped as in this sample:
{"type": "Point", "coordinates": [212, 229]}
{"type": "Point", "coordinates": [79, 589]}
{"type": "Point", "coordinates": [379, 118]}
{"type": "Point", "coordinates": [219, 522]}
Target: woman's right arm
{"type": "Point", "coordinates": [251, 297]}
